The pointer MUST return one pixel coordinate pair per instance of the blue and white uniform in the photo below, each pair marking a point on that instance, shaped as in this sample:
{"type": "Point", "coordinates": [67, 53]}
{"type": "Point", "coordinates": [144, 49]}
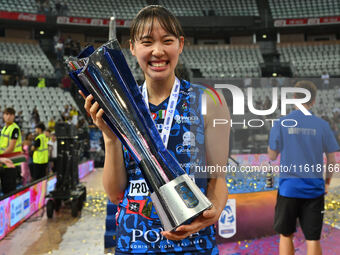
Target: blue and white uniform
{"type": "Point", "coordinates": [138, 226]}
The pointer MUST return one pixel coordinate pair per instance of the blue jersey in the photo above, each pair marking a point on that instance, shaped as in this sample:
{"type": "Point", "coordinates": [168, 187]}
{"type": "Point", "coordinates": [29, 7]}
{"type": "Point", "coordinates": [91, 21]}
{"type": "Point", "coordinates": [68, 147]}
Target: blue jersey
{"type": "Point", "coordinates": [138, 226]}
{"type": "Point", "coordinates": [302, 148]}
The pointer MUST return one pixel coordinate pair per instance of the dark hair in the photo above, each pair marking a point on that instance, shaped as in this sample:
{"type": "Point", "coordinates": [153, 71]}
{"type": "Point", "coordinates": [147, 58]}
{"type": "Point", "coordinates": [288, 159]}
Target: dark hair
{"type": "Point", "coordinates": [148, 15]}
{"type": "Point", "coordinates": [9, 110]}
{"type": "Point", "coordinates": [310, 86]}
{"type": "Point", "coordinates": [41, 126]}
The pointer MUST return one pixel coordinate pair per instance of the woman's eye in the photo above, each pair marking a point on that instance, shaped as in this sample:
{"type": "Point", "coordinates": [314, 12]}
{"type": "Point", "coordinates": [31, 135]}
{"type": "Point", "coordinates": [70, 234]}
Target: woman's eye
{"type": "Point", "coordinates": [169, 41]}
{"type": "Point", "coordinates": [146, 42]}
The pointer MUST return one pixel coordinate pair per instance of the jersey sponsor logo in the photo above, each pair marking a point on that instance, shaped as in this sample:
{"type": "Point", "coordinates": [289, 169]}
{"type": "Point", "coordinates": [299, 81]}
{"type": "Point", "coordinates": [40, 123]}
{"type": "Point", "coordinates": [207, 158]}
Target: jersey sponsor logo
{"type": "Point", "coordinates": [138, 188]}
{"type": "Point", "coordinates": [180, 149]}
{"type": "Point", "coordinates": [180, 119]}
{"type": "Point", "coordinates": [188, 145]}
{"type": "Point", "coordinates": [151, 236]}
{"type": "Point", "coordinates": [189, 139]}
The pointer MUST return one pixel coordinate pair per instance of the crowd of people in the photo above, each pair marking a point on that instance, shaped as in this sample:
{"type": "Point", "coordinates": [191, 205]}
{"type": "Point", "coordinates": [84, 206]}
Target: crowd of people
{"type": "Point", "coordinates": [33, 153]}
{"type": "Point", "coordinates": [36, 144]}
{"type": "Point", "coordinates": [45, 7]}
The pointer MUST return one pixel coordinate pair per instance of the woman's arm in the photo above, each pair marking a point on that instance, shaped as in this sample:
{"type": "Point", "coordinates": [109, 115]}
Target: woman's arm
{"type": "Point", "coordinates": [114, 175]}
{"type": "Point", "coordinates": [217, 151]}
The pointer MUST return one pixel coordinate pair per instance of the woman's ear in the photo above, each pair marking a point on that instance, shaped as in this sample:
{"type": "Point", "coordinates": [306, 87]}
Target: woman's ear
{"type": "Point", "coordinates": [132, 48]}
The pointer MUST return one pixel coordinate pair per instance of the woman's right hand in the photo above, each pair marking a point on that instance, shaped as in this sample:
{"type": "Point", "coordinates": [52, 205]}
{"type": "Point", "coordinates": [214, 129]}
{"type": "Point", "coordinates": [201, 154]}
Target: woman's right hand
{"type": "Point", "coordinates": [97, 118]}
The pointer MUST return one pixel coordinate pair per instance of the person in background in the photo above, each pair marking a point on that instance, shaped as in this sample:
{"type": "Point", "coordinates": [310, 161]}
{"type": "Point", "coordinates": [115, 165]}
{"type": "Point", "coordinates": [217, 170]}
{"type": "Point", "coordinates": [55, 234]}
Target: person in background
{"type": "Point", "coordinates": [40, 153]}
{"type": "Point", "coordinates": [51, 124]}
{"type": "Point", "coordinates": [24, 81]}
{"type": "Point", "coordinates": [53, 151]}
{"type": "Point", "coordinates": [302, 190]}
{"type": "Point", "coordinates": [41, 82]}
{"type": "Point", "coordinates": [10, 142]}
{"type": "Point", "coordinates": [66, 83]}
{"type": "Point", "coordinates": [7, 162]}
{"type": "Point", "coordinates": [25, 169]}
{"type": "Point", "coordinates": [47, 133]}
{"type": "Point", "coordinates": [74, 115]}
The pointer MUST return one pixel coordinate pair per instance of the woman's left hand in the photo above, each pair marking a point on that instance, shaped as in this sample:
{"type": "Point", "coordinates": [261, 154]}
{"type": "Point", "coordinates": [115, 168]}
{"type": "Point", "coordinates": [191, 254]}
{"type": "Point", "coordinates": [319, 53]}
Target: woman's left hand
{"type": "Point", "coordinates": [206, 219]}
{"type": "Point", "coordinates": [7, 162]}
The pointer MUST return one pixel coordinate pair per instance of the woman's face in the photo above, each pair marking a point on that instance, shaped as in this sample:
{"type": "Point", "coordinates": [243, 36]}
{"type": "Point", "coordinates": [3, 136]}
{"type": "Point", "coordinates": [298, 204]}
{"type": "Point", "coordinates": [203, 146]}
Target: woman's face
{"type": "Point", "coordinates": [157, 54]}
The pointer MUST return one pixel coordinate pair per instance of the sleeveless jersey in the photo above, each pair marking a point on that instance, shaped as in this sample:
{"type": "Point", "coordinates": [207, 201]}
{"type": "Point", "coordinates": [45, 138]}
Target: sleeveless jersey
{"type": "Point", "coordinates": [138, 226]}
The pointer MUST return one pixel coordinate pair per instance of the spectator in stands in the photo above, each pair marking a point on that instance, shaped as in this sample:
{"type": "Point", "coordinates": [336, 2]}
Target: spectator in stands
{"type": "Point", "coordinates": [16, 81]}
{"type": "Point", "coordinates": [157, 41]}
{"type": "Point", "coordinates": [59, 50]}
{"type": "Point", "coordinates": [25, 166]}
{"type": "Point", "coordinates": [46, 6]}
{"type": "Point", "coordinates": [39, 5]}
{"type": "Point", "coordinates": [53, 151]}
{"type": "Point", "coordinates": [325, 80]}
{"type": "Point", "coordinates": [58, 7]}
{"type": "Point", "coordinates": [40, 153]}
{"type": "Point", "coordinates": [41, 82]}
{"type": "Point", "coordinates": [35, 115]}
{"type": "Point", "coordinates": [74, 116]}
{"type": "Point", "coordinates": [66, 83]}
{"type": "Point", "coordinates": [64, 9]}
{"type": "Point", "coordinates": [301, 193]}
{"type": "Point", "coordinates": [10, 142]}
{"type": "Point", "coordinates": [51, 124]}
{"type": "Point", "coordinates": [24, 81]}
{"type": "Point", "coordinates": [67, 110]}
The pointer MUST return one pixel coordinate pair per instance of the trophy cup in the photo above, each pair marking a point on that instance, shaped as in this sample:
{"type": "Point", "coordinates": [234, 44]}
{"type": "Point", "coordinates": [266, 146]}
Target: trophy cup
{"type": "Point", "coordinates": [105, 74]}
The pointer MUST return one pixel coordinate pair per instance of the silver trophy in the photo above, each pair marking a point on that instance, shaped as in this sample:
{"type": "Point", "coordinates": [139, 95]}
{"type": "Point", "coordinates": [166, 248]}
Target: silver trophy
{"type": "Point", "coordinates": [106, 75]}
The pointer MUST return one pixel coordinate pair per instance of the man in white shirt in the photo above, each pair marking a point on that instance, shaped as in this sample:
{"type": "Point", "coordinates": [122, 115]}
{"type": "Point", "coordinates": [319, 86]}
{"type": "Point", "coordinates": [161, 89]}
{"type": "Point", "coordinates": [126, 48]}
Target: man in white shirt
{"type": "Point", "coordinates": [53, 151]}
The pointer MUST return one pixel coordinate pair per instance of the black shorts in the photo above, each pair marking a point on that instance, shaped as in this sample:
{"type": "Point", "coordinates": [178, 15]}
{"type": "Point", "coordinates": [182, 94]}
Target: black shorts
{"type": "Point", "coordinates": [309, 212]}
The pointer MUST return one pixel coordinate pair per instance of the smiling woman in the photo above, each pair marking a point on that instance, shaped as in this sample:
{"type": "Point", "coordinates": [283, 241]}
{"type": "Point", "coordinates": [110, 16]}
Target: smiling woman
{"type": "Point", "coordinates": [157, 42]}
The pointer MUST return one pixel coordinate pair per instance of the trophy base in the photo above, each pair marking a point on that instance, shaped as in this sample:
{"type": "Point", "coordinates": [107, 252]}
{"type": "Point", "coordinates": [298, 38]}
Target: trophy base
{"type": "Point", "coordinates": [179, 201]}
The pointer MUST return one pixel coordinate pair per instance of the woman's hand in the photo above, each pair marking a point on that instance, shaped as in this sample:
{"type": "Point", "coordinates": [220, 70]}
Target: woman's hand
{"type": "Point", "coordinates": [97, 117]}
{"type": "Point", "coordinates": [7, 162]}
{"type": "Point", "coordinates": [206, 219]}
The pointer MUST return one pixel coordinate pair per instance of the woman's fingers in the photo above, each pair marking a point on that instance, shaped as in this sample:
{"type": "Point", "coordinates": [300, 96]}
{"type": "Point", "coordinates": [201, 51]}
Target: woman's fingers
{"type": "Point", "coordinates": [88, 103]}
{"type": "Point", "coordinates": [93, 111]}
